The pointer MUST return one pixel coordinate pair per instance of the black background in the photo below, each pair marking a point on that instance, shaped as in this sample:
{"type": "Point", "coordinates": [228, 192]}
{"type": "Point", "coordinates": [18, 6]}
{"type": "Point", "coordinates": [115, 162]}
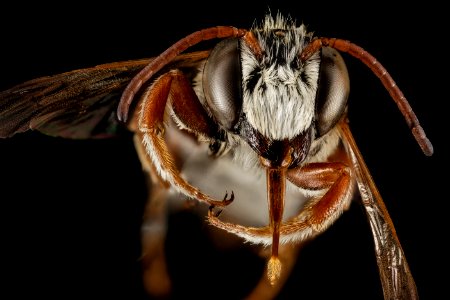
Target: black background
{"type": "Point", "coordinates": [71, 210]}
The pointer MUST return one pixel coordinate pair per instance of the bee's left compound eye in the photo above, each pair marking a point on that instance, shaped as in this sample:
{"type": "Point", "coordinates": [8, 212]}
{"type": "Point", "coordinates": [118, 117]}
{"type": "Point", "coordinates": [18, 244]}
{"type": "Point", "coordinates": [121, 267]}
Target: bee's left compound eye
{"type": "Point", "coordinates": [334, 87]}
{"type": "Point", "coordinates": [222, 82]}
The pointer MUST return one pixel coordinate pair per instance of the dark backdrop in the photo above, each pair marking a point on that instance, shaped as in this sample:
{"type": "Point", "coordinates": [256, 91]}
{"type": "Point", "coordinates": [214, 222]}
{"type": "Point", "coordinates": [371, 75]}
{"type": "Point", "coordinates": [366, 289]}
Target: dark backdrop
{"type": "Point", "coordinates": [71, 210]}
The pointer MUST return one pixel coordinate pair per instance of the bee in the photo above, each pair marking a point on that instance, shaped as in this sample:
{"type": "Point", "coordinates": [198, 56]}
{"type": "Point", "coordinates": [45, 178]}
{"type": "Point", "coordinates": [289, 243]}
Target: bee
{"type": "Point", "coordinates": [264, 107]}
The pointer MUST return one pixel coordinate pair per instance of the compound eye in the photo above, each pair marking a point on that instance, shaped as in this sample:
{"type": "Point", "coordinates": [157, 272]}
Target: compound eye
{"type": "Point", "coordinates": [222, 82]}
{"type": "Point", "coordinates": [334, 88]}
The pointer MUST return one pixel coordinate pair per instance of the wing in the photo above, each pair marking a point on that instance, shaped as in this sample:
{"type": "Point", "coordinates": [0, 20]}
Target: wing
{"type": "Point", "coordinates": [396, 278]}
{"type": "Point", "coordinates": [76, 104]}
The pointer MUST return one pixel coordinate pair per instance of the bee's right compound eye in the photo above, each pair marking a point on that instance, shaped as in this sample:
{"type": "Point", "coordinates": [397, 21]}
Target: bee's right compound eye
{"type": "Point", "coordinates": [222, 81]}
{"type": "Point", "coordinates": [334, 88]}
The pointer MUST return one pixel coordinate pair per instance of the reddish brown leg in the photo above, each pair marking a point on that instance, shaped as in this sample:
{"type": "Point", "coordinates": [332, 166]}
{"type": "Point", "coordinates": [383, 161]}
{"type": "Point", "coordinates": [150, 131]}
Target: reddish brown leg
{"type": "Point", "coordinates": [316, 176]}
{"type": "Point", "coordinates": [151, 126]}
{"type": "Point", "coordinates": [187, 107]}
{"type": "Point", "coordinates": [154, 228]}
{"type": "Point", "coordinates": [161, 167]}
{"type": "Point", "coordinates": [317, 214]}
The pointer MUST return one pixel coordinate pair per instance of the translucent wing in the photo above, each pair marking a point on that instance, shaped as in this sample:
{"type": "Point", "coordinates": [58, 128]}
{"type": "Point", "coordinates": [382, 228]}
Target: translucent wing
{"type": "Point", "coordinates": [76, 104]}
{"type": "Point", "coordinates": [396, 278]}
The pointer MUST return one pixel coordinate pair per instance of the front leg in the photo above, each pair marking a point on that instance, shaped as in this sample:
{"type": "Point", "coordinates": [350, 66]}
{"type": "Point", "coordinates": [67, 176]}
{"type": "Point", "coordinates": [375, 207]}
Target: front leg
{"type": "Point", "coordinates": [315, 217]}
{"type": "Point", "coordinates": [161, 156]}
{"type": "Point", "coordinates": [317, 214]}
{"type": "Point", "coordinates": [189, 111]}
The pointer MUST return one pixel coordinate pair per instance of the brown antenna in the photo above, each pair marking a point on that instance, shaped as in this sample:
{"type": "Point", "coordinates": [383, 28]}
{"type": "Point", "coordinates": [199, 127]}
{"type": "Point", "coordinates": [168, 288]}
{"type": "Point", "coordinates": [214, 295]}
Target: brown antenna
{"type": "Point", "coordinates": [164, 58]}
{"type": "Point", "coordinates": [383, 75]}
